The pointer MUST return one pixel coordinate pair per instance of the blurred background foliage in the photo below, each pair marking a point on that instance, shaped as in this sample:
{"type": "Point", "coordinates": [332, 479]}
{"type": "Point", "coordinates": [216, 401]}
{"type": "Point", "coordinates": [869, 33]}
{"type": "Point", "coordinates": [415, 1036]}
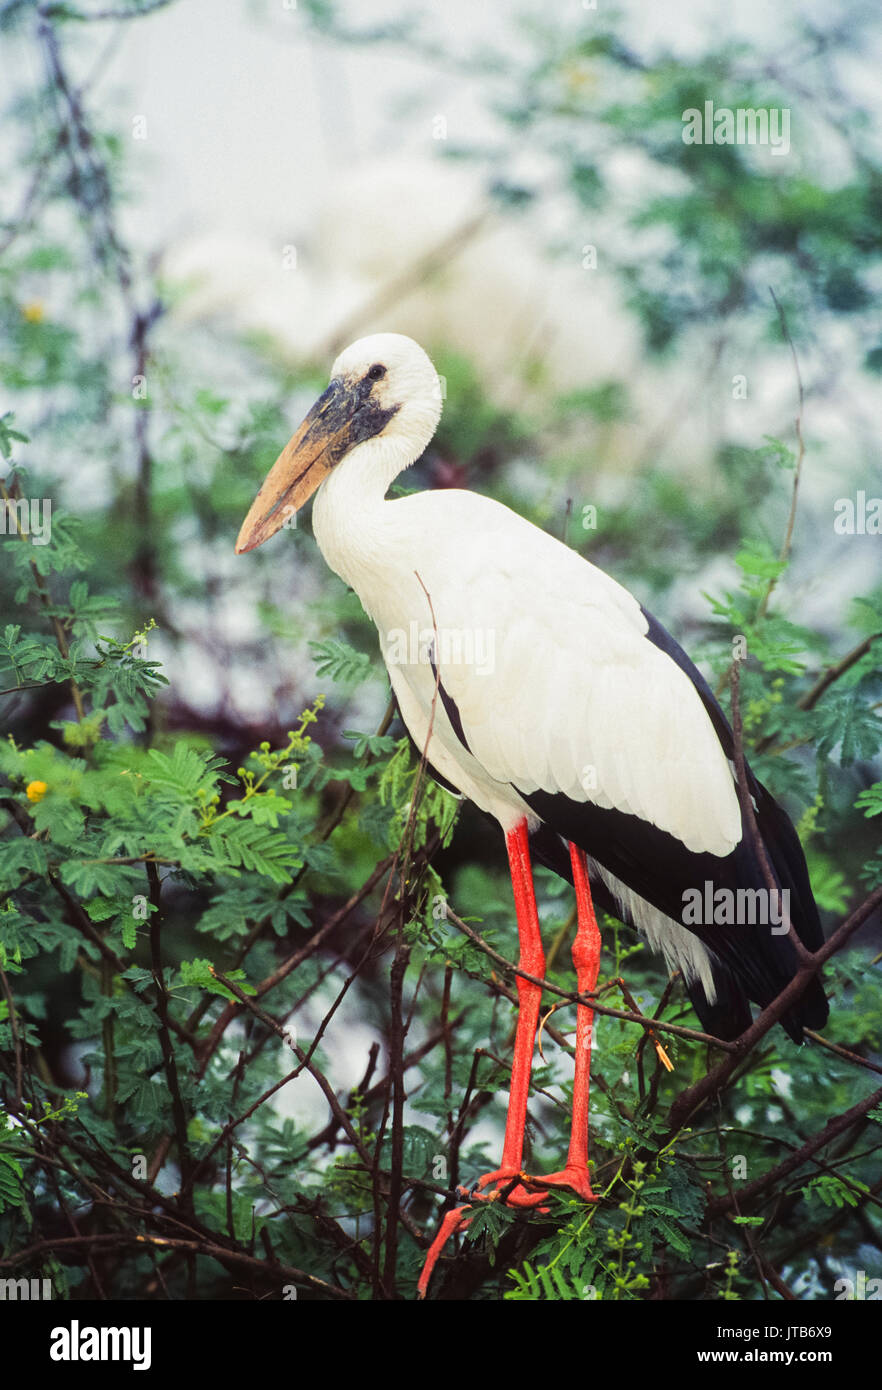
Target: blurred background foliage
{"type": "Point", "coordinates": [200, 772]}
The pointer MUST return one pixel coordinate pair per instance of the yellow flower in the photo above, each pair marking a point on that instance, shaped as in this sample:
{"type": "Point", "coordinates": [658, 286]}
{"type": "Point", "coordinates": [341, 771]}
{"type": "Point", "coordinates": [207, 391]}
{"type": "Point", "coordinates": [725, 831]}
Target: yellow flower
{"type": "Point", "coordinates": [35, 791]}
{"type": "Point", "coordinates": [32, 312]}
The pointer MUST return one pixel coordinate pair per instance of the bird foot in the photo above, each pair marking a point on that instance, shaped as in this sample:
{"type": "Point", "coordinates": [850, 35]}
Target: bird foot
{"type": "Point", "coordinates": [509, 1187]}
{"type": "Point", "coordinates": [576, 1178]}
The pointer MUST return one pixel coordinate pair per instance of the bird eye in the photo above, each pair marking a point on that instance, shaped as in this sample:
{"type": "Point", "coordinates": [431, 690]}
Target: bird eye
{"type": "Point", "coordinates": [377, 372]}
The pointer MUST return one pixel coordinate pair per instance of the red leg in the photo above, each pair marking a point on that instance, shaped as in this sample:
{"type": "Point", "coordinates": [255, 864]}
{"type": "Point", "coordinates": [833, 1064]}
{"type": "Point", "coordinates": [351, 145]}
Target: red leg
{"type": "Point", "coordinates": [586, 958]}
{"type": "Point", "coordinates": [531, 959]}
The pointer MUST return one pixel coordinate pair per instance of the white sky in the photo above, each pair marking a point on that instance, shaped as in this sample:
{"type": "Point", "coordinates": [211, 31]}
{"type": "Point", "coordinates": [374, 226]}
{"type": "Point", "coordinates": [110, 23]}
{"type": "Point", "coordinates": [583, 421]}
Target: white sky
{"type": "Point", "coordinates": [249, 117]}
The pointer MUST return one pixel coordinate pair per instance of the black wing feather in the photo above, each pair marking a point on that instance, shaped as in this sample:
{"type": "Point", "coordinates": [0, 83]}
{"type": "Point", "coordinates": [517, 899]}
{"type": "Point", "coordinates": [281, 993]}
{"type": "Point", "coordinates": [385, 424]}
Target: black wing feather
{"type": "Point", "coordinates": [749, 961]}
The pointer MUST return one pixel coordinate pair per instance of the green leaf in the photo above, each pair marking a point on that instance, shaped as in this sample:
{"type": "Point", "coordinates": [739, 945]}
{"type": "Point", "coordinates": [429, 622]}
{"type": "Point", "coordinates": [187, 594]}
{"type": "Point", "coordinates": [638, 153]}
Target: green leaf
{"type": "Point", "coordinates": [8, 435]}
{"type": "Point", "coordinates": [375, 744]}
{"type": "Point", "coordinates": [21, 855]}
{"type": "Point", "coordinates": [340, 661]}
{"type": "Point", "coordinates": [199, 972]}
{"type": "Point", "coordinates": [185, 771]}
{"type": "Point", "coordinates": [870, 800]}
{"type": "Point", "coordinates": [239, 845]}
{"type": "Point", "coordinates": [844, 720]}
{"type": "Point", "coordinates": [12, 1189]}
{"type": "Point", "coordinates": [832, 1192]}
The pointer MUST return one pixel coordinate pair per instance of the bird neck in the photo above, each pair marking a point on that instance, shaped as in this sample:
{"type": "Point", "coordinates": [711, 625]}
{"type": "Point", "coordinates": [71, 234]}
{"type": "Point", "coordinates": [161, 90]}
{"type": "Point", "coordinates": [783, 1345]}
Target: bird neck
{"type": "Point", "coordinates": [350, 517]}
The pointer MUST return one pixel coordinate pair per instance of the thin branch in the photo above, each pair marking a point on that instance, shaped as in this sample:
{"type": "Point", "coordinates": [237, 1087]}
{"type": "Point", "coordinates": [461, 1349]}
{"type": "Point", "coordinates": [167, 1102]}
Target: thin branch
{"type": "Point", "coordinates": [397, 1025]}
{"type": "Point", "coordinates": [397, 1034]}
{"type": "Point", "coordinates": [293, 961]}
{"type": "Point", "coordinates": [110, 1241]}
{"type": "Point", "coordinates": [719, 1205]}
{"type": "Point", "coordinates": [16, 1040]}
{"type": "Point", "coordinates": [649, 1024]}
{"type": "Point", "coordinates": [412, 277]}
{"type": "Point", "coordinates": [66, 11]}
{"type": "Point", "coordinates": [43, 595]}
{"type": "Point", "coordinates": [797, 472]}
{"type": "Point", "coordinates": [828, 676]}
{"type": "Point", "coordinates": [832, 673]}
{"type": "Point", "coordinates": [83, 923]}
{"type": "Point", "coordinates": [843, 1052]}
{"type": "Point", "coordinates": [169, 1062]}
{"type": "Point", "coordinates": [305, 1064]}
{"type": "Point", "coordinates": [691, 1100]}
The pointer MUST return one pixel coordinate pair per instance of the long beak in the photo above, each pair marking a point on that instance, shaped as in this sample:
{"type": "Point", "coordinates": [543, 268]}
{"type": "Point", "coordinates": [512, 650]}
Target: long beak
{"type": "Point", "coordinates": [302, 466]}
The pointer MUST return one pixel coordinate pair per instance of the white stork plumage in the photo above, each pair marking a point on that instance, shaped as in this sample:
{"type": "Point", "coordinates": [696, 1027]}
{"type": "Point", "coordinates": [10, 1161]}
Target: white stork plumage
{"type": "Point", "coordinates": [563, 709]}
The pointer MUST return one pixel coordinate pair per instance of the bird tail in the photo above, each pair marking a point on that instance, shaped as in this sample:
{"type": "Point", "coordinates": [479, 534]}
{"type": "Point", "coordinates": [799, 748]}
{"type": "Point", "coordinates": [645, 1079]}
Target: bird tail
{"type": "Point", "coordinates": [779, 964]}
{"type": "Point", "coordinates": [741, 970]}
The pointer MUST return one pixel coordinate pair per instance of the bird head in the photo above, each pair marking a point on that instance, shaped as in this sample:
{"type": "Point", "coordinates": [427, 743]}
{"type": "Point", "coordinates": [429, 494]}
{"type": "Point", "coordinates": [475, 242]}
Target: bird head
{"type": "Point", "coordinates": [382, 388]}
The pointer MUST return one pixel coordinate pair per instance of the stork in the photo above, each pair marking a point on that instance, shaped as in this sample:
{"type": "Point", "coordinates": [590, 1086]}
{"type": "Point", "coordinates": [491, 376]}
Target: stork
{"type": "Point", "coordinates": [542, 691]}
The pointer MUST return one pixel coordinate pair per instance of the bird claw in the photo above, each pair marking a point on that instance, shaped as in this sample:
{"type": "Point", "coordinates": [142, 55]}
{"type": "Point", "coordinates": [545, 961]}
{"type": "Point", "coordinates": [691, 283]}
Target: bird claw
{"type": "Point", "coordinates": [507, 1184]}
{"type": "Point", "coordinates": [511, 1189]}
{"type": "Point", "coordinates": [576, 1179]}
{"type": "Point", "coordinates": [456, 1221]}
{"type": "Point", "coordinates": [511, 1185]}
